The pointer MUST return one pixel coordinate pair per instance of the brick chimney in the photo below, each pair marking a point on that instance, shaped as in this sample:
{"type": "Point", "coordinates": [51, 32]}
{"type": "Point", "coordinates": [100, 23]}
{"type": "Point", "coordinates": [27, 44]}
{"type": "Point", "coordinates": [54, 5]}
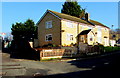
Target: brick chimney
{"type": "Point", "coordinates": [87, 16]}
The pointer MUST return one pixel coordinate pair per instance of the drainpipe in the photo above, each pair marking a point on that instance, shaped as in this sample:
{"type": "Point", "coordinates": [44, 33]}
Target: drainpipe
{"type": "Point", "coordinates": [78, 38]}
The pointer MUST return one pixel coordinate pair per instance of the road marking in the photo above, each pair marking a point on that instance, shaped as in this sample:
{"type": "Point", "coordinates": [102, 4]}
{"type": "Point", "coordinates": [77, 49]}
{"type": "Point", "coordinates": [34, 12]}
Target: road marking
{"type": "Point", "coordinates": [12, 68]}
{"type": "Point", "coordinates": [10, 65]}
{"type": "Point", "coordinates": [106, 63]}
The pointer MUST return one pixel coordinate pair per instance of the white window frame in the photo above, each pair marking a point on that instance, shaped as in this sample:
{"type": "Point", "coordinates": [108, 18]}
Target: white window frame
{"type": "Point", "coordinates": [91, 37]}
{"type": "Point", "coordinates": [69, 24]}
{"type": "Point", "coordinates": [70, 37]}
{"type": "Point", "coordinates": [48, 24]}
{"type": "Point", "coordinates": [46, 39]}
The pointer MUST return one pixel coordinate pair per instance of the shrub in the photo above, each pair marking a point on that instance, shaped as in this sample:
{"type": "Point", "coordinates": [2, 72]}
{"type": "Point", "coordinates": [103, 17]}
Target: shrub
{"type": "Point", "coordinates": [49, 45]}
{"type": "Point", "coordinates": [99, 48]}
{"type": "Point", "coordinates": [110, 48]}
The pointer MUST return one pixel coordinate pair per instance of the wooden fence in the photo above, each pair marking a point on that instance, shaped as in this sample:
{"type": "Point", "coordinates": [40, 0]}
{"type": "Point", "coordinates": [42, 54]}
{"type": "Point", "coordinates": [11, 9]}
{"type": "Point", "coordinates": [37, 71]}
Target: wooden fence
{"type": "Point", "coordinates": [54, 53]}
{"type": "Point", "coordinates": [90, 50]}
{"type": "Point", "coordinates": [51, 52]}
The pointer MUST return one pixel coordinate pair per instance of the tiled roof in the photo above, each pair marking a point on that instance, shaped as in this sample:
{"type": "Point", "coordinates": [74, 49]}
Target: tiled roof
{"type": "Point", "coordinates": [76, 19]}
{"type": "Point", "coordinates": [69, 17]}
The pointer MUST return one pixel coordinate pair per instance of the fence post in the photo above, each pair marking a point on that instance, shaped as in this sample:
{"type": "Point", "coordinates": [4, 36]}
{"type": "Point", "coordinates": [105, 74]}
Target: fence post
{"type": "Point", "coordinates": [71, 53]}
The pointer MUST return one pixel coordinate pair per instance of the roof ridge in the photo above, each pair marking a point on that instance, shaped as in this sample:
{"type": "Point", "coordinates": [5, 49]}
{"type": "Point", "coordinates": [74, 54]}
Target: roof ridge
{"type": "Point", "coordinates": [76, 19]}
{"type": "Point", "coordinates": [66, 15]}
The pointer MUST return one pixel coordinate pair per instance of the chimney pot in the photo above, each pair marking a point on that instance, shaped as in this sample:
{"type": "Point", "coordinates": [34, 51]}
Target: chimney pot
{"type": "Point", "coordinates": [87, 16]}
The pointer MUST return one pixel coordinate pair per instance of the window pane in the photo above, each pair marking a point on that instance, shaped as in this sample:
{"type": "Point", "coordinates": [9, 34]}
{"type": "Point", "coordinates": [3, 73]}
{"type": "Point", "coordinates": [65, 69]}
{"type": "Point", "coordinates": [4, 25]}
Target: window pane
{"type": "Point", "coordinates": [69, 24]}
{"type": "Point", "coordinates": [46, 24]}
{"type": "Point", "coordinates": [69, 37]}
{"type": "Point", "coordinates": [49, 24]}
{"type": "Point", "coordinates": [49, 37]}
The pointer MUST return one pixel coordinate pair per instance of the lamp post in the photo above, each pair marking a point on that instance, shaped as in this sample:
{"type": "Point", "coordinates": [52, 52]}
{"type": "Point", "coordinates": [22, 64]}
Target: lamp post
{"type": "Point", "coordinates": [112, 31]}
{"type": "Point", "coordinates": [112, 28]}
{"type": "Point", "coordinates": [112, 36]}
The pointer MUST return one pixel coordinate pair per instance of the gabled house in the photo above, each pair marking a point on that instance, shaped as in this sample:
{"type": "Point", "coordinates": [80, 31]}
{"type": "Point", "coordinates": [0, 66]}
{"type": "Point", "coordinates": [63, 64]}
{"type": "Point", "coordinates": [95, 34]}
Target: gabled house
{"type": "Point", "coordinates": [64, 30]}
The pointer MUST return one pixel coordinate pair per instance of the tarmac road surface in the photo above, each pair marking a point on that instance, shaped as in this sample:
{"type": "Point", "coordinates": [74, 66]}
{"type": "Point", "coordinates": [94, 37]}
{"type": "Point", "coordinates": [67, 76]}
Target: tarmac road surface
{"type": "Point", "coordinates": [101, 67]}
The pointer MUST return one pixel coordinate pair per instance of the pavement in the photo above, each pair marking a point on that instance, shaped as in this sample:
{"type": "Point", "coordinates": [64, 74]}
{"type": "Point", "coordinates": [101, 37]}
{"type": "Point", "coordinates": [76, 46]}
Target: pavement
{"type": "Point", "coordinates": [100, 67]}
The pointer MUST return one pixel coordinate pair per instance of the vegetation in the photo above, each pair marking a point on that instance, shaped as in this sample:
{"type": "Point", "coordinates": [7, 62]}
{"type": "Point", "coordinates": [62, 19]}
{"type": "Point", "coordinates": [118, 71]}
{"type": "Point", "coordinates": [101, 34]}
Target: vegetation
{"type": "Point", "coordinates": [22, 34]}
{"type": "Point", "coordinates": [51, 59]}
{"type": "Point", "coordinates": [115, 34]}
{"type": "Point", "coordinates": [49, 45]}
{"type": "Point", "coordinates": [110, 48]}
{"type": "Point", "coordinates": [72, 8]}
{"type": "Point", "coordinates": [26, 30]}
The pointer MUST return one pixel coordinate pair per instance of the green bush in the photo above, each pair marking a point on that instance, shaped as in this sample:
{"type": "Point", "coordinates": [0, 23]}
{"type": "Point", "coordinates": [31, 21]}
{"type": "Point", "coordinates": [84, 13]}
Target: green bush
{"type": "Point", "coordinates": [110, 48]}
{"type": "Point", "coordinates": [49, 45]}
{"type": "Point", "coordinates": [51, 59]}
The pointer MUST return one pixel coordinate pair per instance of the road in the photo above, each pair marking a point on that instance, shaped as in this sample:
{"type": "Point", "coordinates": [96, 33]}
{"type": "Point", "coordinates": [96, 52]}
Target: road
{"type": "Point", "coordinates": [100, 67]}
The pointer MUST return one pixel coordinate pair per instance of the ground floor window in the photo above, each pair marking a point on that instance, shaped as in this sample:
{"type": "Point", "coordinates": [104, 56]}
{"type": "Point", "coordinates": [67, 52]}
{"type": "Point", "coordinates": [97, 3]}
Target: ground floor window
{"type": "Point", "coordinates": [69, 37]}
{"type": "Point", "coordinates": [48, 37]}
{"type": "Point", "coordinates": [82, 38]}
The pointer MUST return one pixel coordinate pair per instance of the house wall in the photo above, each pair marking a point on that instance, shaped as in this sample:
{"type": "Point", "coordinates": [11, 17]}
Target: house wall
{"type": "Point", "coordinates": [83, 27]}
{"type": "Point", "coordinates": [60, 29]}
{"type": "Point", "coordinates": [105, 33]}
{"type": "Point", "coordinates": [89, 36]}
{"type": "Point", "coordinates": [55, 30]}
{"type": "Point", "coordinates": [99, 34]}
{"type": "Point", "coordinates": [68, 30]}
{"type": "Point", "coordinates": [94, 33]}
{"type": "Point", "coordinates": [75, 30]}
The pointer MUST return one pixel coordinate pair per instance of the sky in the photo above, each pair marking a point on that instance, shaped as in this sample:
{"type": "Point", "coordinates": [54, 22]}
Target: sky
{"type": "Point", "coordinates": [12, 12]}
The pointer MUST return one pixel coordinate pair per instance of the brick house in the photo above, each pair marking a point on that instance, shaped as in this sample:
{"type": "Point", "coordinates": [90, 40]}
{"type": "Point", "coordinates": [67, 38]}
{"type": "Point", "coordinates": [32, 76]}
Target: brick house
{"type": "Point", "coordinates": [64, 30]}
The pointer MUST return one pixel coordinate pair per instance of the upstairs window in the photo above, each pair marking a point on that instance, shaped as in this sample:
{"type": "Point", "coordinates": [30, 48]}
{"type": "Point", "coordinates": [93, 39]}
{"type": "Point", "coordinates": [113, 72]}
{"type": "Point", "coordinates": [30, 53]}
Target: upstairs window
{"type": "Point", "coordinates": [99, 29]}
{"type": "Point", "coordinates": [69, 24]}
{"type": "Point", "coordinates": [48, 24]}
{"type": "Point", "coordinates": [48, 37]}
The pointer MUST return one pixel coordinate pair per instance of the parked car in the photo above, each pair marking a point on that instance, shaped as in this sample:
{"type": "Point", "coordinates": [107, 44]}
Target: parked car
{"type": "Point", "coordinates": [117, 44]}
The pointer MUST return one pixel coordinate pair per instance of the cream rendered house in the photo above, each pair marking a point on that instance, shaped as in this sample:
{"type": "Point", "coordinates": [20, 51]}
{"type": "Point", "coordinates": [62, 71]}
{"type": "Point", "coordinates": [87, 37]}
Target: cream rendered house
{"type": "Point", "coordinates": [64, 30]}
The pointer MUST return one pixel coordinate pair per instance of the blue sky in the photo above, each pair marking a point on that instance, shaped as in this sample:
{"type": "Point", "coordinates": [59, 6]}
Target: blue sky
{"type": "Point", "coordinates": [104, 12]}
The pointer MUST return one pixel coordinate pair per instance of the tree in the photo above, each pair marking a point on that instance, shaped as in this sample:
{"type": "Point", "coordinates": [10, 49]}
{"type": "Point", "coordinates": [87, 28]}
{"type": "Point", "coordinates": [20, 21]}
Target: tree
{"type": "Point", "coordinates": [72, 8]}
{"type": "Point", "coordinates": [115, 34]}
{"type": "Point", "coordinates": [26, 30]}
{"type": "Point", "coordinates": [82, 15]}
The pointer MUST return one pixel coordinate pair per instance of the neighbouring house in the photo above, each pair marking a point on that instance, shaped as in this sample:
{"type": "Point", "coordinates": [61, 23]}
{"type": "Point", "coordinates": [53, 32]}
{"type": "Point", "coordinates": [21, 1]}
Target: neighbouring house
{"type": "Point", "coordinates": [63, 30]}
{"type": "Point", "coordinates": [112, 42]}
{"type": "Point", "coordinates": [114, 38]}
